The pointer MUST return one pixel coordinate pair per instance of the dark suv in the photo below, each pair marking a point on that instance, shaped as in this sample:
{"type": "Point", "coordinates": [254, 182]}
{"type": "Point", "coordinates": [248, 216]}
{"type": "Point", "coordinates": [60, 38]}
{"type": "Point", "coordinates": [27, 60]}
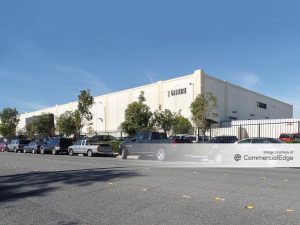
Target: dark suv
{"type": "Point", "coordinates": [17, 145]}
{"type": "Point", "coordinates": [56, 145]}
{"type": "Point", "coordinates": [224, 139]}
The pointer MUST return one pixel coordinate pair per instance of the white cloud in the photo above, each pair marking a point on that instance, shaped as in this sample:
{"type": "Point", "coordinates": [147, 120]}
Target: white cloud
{"type": "Point", "coordinates": [79, 78]}
{"type": "Point", "coordinates": [28, 106]}
{"type": "Point", "coordinates": [150, 77]}
{"type": "Point", "coordinates": [249, 79]}
{"type": "Point", "coordinates": [47, 78]}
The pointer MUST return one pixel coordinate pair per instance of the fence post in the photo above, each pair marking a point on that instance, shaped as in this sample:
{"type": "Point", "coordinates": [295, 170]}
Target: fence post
{"type": "Point", "coordinates": [210, 131]}
{"type": "Point", "coordinates": [240, 132]}
{"type": "Point", "coordinates": [298, 127]}
{"type": "Point", "coordinates": [259, 130]}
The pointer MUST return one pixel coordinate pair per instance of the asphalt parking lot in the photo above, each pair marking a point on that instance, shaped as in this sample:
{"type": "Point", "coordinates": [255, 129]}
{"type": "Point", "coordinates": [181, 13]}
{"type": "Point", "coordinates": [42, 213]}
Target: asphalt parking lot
{"type": "Point", "coordinates": [47, 189]}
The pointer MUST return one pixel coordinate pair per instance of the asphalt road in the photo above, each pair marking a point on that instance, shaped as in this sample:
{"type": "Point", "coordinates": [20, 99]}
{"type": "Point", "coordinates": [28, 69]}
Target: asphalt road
{"type": "Point", "coordinates": [46, 189]}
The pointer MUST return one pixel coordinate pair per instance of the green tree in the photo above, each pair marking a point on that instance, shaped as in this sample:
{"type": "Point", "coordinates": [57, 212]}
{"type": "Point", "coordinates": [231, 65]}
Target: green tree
{"type": "Point", "coordinates": [30, 131]}
{"type": "Point", "coordinates": [181, 125]}
{"type": "Point", "coordinates": [137, 117]}
{"type": "Point", "coordinates": [164, 119]}
{"type": "Point", "coordinates": [66, 123]}
{"type": "Point", "coordinates": [43, 125]}
{"type": "Point", "coordinates": [202, 109]}
{"type": "Point", "coordinates": [83, 114]}
{"type": "Point", "coordinates": [9, 122]}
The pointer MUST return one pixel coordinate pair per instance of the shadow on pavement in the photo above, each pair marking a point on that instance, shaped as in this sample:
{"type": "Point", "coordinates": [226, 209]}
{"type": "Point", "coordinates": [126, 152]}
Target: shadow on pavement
{"type": "Point", "coordinates": [14, 187]}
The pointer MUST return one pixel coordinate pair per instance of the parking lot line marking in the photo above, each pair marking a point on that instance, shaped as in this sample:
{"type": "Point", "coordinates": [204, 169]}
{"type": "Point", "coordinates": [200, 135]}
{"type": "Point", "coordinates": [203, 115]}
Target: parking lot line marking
{"type": "Point", "coordinates": [250, 206]}
{"type": "Point", "coordinates": [225, 174]}
{"type": "Point", "coordinates": [286, 180]}
{"type": "Point", "coordinates": [219, 199]}
{"type": "Point", "coordinates": [144, 189]}
{"type": "Point", "coordinates": [186, 196]}
{"type": "Point", "coordinates": [290, 210]}
{"type": "Point", "coordinates": [263, 178]}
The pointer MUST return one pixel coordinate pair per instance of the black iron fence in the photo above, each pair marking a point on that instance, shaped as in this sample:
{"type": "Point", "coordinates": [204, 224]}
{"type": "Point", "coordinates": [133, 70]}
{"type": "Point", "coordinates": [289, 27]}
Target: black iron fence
{"type": "Point", "coordinates": [258, 128]}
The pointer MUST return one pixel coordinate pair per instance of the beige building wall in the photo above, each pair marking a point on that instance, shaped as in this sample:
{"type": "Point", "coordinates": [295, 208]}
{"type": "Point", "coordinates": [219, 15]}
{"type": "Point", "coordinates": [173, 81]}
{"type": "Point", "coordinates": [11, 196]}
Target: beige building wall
{"type": "Point", "coordinates": [177, 95]}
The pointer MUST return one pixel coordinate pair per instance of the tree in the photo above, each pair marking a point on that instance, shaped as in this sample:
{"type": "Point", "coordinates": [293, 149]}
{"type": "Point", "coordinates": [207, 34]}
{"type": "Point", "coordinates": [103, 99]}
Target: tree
{"type": "Point", "coordinates": [43, 125]}
{"type": "Point", "coordinates": [164, 119]}
{"type": "Point", "coordinates": [30, 130]}
{"type": "Point", "coordinates": [137, 117]}
{"type": "Point", "coordinates": [202, 109]}
{"type": "Point", "coordinates": [181, 125]}
{"type": "Point", "coordinates": [83, 114]}
{"type": "Point", "coordinates": [9, 122]}
{"type": "Point", "coordinates": [66, 123]}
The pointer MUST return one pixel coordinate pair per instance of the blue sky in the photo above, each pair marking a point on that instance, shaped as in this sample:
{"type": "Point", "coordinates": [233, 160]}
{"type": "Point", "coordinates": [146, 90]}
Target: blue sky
{"type": "Point", "coordinates": [49, 50]}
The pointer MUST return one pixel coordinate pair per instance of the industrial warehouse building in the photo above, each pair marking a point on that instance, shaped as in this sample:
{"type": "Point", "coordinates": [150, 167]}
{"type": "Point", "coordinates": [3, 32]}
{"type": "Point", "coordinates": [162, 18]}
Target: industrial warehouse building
{"type": "Point", "coordinates": [234, 102]}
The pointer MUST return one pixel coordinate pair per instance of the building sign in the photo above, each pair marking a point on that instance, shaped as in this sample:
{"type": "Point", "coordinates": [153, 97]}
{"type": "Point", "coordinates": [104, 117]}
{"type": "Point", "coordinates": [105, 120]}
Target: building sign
{"type": "Point", "coordinates": [175, 92]}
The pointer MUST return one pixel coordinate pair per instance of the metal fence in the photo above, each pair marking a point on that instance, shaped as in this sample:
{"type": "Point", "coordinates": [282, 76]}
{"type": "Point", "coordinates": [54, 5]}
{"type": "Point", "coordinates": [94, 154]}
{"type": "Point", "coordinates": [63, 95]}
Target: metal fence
{"type": "Point", "coordinates": [259, 128]}
{"type": "Point", "coordinates": [112, 133]}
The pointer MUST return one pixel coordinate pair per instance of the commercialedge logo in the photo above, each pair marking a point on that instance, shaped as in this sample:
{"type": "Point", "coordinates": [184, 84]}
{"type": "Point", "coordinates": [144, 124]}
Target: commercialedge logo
{"type": "Point", "coordinates": [237, 157]}
{"type": "Point", "coordinates": [287, 158]}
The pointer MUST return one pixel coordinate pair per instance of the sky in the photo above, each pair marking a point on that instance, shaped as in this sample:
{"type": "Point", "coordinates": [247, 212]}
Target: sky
{"type": "Point", "coordinates": [52, 49]}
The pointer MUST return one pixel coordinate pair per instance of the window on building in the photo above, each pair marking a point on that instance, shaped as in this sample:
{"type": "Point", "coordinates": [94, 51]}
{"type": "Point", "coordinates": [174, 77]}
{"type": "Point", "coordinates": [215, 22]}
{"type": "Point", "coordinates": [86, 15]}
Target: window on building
{"type": "Point", "coordinates": [261, 105]}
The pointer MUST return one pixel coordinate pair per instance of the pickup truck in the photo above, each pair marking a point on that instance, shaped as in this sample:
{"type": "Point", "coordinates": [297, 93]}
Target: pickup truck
{"type": "Point", "coordinates": [90, 148]}
{"type": "Point", "coordinates": [147, 143]}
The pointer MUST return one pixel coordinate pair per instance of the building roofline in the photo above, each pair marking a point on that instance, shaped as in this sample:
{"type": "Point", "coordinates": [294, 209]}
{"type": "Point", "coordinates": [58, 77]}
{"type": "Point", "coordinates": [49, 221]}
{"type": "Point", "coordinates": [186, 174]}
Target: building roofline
{"type": "Point", "coordinates": [246, 89]}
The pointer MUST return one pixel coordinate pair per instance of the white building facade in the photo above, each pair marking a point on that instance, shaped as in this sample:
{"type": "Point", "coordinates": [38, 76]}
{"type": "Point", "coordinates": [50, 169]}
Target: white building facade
{"type": "Point", "coordinates": [234, 102]}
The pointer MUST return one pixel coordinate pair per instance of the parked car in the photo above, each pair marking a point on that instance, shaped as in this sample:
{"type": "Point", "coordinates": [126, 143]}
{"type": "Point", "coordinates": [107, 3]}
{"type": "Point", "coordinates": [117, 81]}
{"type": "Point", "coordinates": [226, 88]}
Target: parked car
{"type": "Point", "coordinates": [261, 140]}
{"type": "Point", "coordinates": [121, 138]}
{"type": "Point", "coordinates": [221, 154]}
{"type": "Point", "coordinates": [90, 148]}
{"type": "Point", "coordinates": [146, 143]}
{"type": "Point", "coordinates": [17, 145]}
{"type": "Point", "coordinates": [33, 147]}
{"type": "Point", "coordinates": [224, 139]}
{"type": "Point", "coordinates": [56, 145]}
{"type": "Point", "coordinates": [2, 146]}
{"type": "Point", "coordinates": [103, 138]}
{"type": "Point", "coordinates": [198, 139]}
{"type": "Point", "coordinates": [180, 139]}
{"type": "Point", "coordinates": [290, 137]}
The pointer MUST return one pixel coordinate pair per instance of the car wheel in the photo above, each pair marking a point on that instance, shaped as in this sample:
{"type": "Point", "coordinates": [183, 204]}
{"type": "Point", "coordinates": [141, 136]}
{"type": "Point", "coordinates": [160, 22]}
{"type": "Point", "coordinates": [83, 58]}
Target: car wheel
{"type": "Point", "coordinates": [71, 153]}
{"type": "Point", "coordinates": [42, 151]}
{"type": "Point", "coordinates": [89, 153]}
{"type": "Point", "coordinates": [6, 149]}
{"type": "Point", "coordinates": [54, 152]}
{"type": "Point", "coordinates": [219, 158]}
{"type": "Point", "coordinates": [161, 155]}
{"type": "Point", "coordinates": [124, 153]}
